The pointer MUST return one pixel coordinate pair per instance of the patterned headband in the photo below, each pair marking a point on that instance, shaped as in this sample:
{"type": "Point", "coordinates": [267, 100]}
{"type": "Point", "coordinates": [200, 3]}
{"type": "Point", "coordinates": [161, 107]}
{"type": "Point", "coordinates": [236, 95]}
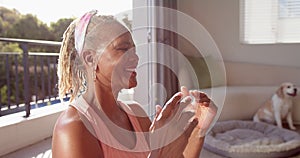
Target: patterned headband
{"type": "Point", "coordinates": [80, 30]}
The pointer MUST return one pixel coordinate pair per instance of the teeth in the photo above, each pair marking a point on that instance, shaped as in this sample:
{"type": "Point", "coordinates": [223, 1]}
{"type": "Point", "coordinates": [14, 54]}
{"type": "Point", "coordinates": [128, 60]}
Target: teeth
{"type": "Point", "coordinates": [130, 69]}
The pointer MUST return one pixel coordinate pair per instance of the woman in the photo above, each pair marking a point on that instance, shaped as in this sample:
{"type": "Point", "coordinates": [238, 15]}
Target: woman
{"type": "Point", "coordinates": [97, 60]}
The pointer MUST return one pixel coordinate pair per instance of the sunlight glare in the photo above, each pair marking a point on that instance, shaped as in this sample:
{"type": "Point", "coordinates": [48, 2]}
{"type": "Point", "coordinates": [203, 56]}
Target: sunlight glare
{"type": "Point", "coordinates": [51, 11]}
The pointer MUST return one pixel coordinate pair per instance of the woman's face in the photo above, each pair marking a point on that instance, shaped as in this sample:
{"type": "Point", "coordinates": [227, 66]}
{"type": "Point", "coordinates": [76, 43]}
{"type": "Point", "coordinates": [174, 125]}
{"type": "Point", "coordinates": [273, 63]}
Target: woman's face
{"type": "Point", "coordinates": [118, 62]}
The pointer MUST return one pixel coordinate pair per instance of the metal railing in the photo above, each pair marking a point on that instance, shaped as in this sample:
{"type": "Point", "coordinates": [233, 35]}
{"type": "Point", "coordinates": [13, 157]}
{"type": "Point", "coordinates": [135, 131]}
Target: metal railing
{"type": "Point", "coordinates": [27, 79]}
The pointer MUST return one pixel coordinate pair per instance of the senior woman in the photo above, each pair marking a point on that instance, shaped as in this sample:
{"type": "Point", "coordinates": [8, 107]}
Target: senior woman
{"type": "Point", "coordinates": [97, 59]}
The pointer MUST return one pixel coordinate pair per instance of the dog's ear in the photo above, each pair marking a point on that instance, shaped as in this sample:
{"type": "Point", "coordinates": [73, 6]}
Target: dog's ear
{"type": "Point", "coordinates": [279, 92]}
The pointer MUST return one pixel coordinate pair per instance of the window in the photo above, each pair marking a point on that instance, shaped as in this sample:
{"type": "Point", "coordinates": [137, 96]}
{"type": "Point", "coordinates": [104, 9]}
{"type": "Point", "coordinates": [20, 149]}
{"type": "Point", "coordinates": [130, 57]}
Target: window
{"type": "Point", "coordinates": [270, 21]}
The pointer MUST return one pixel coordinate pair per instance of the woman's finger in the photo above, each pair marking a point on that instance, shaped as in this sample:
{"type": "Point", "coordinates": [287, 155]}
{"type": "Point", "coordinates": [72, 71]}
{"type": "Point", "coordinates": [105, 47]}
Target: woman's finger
{"type": "Point", "coordinates": [199, 96]}
{"type": "Point", "coordinates": [184, 118]}
{"type": "Point", "coordinates": [171, 105]}
{"type": "Point", "coordinates": [184, 91]}
{"type": "Point", "coordinates": [183, 106]}
{"type": "Point", "coordinates": [158, 109]}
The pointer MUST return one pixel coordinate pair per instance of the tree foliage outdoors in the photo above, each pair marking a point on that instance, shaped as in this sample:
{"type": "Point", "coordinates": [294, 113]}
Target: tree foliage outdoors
{"type": "Point", "coordinates": [15, 25]}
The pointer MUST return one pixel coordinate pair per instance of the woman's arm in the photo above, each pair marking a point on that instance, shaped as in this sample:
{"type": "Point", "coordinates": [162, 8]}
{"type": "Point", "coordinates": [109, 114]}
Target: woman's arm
{"type": "Point", "coordinates": [201, 110]}
{"type": "Point", "coordinates": [171, 128]}
{"type": "Point", "coordinates": [194, 145]}
{"type": "Point", "coordinates": [179, 128]}
{"type": "Point", "coordinates": [71, 139]}
{"type": "Point", "coordinates": [205, 111]}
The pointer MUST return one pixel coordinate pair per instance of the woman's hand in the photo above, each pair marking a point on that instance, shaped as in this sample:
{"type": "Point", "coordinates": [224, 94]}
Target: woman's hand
{"type": "Point", "coordinates": [172, 127]}
{"type": "Point", "coordinates": [204, 108]}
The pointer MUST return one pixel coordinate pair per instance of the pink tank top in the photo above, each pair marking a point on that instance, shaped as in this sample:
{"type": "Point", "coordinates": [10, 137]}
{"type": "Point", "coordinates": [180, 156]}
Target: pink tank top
{"type": "Point", "coordinates": [111, 147]}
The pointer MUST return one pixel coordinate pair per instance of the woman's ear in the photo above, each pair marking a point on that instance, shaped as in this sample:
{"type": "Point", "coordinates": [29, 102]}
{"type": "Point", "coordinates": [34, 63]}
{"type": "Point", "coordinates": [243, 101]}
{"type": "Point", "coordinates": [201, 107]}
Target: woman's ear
{"type": "Point", "coordinates": [88, 57]}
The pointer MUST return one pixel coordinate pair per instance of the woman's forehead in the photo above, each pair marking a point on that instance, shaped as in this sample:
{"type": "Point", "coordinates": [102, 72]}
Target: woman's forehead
{"type": "Point", "coordinates": [113, 28]}
{"type": "Point", "coordinates": [124, 39]}
{"type": "Point", "coordinates": [109, 33]}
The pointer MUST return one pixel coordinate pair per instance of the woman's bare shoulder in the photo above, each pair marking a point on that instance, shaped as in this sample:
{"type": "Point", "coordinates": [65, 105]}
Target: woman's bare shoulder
{"type": "Point", "coordinates": [68, 119]}
{"type": "Point", "coordinates": [72, 139]}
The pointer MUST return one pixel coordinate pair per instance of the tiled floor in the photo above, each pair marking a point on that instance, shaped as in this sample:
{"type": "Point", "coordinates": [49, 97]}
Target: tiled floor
{"type": "Point", "coordinates": [43, 150]}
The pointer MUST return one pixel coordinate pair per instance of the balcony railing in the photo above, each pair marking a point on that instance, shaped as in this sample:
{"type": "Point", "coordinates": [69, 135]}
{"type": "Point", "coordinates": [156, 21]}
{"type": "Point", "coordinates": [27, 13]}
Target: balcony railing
{"type": "Point", "coordinates": [27, 79]}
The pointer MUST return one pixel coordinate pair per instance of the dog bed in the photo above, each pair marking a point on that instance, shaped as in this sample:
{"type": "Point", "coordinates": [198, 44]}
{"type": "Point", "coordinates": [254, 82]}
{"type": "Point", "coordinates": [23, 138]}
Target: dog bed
{"type": "Point", "coordinates": [244, 139]}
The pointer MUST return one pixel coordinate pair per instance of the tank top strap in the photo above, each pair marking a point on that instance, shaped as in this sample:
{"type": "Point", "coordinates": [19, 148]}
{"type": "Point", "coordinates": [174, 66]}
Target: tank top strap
{"type": "Point", "coordinates": [132, 117]}
{"type": "Point", "coordinates": [83, 108]}
{"type": "Point", "coordinates": [101, 130]}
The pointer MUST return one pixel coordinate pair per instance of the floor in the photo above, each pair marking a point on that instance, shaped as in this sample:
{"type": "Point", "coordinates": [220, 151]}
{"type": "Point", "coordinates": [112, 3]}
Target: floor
{"type": "Point", "coordinates": [43, 150]}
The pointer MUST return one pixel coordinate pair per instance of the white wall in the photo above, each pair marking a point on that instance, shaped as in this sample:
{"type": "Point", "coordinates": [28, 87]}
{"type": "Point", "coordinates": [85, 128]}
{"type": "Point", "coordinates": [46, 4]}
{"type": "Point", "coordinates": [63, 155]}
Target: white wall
{"type": "Point", "coordinates": [256, 66]}
{"type": "Point", "coordinates": [17, 132]}
{"type": "Point", "coordinates": [221, 19]}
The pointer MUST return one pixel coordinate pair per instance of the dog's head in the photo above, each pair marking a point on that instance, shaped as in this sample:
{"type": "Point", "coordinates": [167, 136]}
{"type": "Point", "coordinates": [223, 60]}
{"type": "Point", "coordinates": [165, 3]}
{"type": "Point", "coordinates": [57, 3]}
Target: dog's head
{"type": "Point", "coordinates": [287, 89]}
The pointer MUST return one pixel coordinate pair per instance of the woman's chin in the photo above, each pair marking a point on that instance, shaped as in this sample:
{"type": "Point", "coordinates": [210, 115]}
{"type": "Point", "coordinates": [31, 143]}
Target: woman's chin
{"type": "Point", "coordinates": [132, 84]}
{"type": "Point", "coordinates": [126, 84]}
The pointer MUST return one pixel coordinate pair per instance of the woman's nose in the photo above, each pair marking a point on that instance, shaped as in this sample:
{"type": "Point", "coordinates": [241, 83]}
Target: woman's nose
{"type": "Point", "coordinates": [133, 56]}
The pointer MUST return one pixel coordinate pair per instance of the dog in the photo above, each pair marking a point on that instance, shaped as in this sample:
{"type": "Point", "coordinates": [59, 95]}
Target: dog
{"type": "Point", "coordinates": [278, 107]}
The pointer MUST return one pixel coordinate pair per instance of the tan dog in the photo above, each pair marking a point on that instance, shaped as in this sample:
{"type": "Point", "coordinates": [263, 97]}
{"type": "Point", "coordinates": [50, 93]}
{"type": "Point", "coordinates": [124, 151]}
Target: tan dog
{"type": "Point", "coordinates": [278, 107]}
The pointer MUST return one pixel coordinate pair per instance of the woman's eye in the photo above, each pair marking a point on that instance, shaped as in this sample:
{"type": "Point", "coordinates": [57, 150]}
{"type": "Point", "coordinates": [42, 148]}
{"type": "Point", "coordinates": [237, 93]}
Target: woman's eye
{"type": "Point", "coordinates": [123, 49]}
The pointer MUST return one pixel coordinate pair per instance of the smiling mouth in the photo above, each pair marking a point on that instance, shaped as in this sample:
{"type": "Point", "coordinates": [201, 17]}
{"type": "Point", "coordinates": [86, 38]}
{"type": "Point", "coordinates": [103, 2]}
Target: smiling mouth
{"type": "Point", "coordinates": [292, 94]}
{"type": "Point", "coordinates": [131, 69]}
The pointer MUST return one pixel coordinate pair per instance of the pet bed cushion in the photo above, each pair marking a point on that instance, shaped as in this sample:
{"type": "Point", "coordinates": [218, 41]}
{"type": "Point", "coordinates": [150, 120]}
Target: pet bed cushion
{"type": "Point", "coordinates": [237, 138]}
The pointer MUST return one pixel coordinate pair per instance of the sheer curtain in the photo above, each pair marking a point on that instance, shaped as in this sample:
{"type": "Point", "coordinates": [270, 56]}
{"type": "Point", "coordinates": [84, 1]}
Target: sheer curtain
{"type": "Point", "coordinates": [165, 45]}
{"type": "Point", "coordinates": [156, 80]}
{"type": "Point", "coordinates": [270, 21]}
